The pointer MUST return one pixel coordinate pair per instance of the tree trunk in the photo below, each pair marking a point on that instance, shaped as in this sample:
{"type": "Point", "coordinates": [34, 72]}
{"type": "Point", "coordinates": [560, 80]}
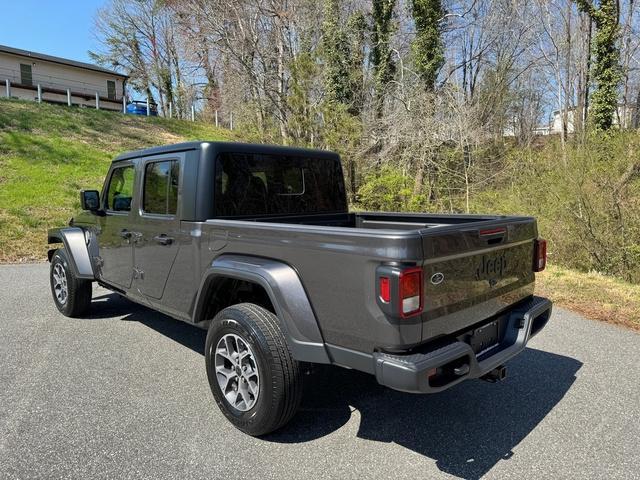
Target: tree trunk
{"type": "Point", "coordinates": [418, 181]}
{"type": "Point", "coordinates": [636, 112]}
{"type": "Point", "coordinates": [568, 93]}
{"type": "Point", "coordinates": [587, 86]}
{"type": "Point", "coordinates": [282, 116]}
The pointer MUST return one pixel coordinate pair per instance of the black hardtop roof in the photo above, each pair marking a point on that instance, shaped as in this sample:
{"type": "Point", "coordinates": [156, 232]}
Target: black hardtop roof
{"type": "Point", "coordinates": [235, 147]}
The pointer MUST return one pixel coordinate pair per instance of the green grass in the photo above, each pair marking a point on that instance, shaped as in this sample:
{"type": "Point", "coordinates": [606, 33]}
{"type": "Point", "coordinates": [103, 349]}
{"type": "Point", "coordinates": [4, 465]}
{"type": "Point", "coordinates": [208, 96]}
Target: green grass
{"type": "Point", "coordinates": [48, 153]}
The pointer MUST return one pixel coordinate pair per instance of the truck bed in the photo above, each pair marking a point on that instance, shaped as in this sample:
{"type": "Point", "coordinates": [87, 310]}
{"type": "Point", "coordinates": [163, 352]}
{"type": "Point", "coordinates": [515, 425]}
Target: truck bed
{"type": "Point", "coordinates": [379, 220]}
{"type": "Point", "coordinates": [336, 257]}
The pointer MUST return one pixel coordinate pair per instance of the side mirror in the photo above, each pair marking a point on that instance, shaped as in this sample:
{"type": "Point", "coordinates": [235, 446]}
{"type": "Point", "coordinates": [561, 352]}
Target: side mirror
{"type": "Point", "coordinates": [90, 200]}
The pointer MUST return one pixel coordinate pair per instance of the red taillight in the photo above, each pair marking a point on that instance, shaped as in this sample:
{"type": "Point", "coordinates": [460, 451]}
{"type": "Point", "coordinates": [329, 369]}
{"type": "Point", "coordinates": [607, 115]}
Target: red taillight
{"type": "Point", "coordinates": [539, 254]}
{"type": "Point", "coordinates": [410, 292]}
{"type": "Point", "coordinates": [385, 290]}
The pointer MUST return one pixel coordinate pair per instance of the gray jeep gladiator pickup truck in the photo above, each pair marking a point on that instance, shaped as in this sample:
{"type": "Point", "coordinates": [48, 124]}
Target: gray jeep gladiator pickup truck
{"type": "Point", "coordinates": [256, 244]}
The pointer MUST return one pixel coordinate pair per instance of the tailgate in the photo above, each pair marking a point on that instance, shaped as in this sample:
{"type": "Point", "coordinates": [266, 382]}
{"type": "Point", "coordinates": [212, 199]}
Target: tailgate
{"type": "Point", "coordinates": [473, 272]}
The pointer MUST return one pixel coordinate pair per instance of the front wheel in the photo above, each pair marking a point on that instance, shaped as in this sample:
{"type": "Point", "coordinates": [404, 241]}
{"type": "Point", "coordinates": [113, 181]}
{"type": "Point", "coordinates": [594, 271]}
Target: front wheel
{"type": "Point", "coordinates": [253, 377]}
{"type": "Point", "coordinates": [71, 295]}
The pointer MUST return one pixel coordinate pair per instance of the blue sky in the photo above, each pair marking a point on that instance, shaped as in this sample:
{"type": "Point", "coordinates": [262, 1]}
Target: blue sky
{"type": "Point", "coordinates": [62, 28]}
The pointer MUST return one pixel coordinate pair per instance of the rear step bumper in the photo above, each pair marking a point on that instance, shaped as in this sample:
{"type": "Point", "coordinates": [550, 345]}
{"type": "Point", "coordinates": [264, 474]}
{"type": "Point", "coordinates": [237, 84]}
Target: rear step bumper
{"type": "Point", "coordinates": [444, 367]}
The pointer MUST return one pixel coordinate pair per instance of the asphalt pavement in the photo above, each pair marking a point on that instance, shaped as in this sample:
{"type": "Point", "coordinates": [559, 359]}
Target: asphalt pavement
{"type": "Point", "coordinates": [123, 394]}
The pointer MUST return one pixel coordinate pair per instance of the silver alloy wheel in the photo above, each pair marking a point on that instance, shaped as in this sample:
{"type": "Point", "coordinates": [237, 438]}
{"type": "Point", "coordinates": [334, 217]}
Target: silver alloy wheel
{"type": "Point", "coordinates": [60, 284]}
{"type": "Point", "coordinates": [237, 372]}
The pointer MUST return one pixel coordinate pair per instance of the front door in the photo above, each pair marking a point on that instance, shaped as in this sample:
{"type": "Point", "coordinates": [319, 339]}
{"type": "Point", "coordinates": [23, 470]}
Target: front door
{"type": "Point", "coordinates": [158, 224]}
{"type": "Point", "coordinates": [116, 234]}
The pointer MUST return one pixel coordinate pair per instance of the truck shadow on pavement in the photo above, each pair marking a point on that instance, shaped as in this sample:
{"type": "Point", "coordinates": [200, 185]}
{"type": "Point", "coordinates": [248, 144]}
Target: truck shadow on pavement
{"type": "Point", "coordinates": [467, 430]}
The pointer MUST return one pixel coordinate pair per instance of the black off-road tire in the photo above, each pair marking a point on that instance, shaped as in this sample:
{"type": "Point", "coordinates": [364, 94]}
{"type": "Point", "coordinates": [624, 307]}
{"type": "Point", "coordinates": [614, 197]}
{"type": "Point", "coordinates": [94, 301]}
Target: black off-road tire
{"type": "Point", "coordinates": [280, 385]}
{"type": "Point", "coordinates": [79, 291]}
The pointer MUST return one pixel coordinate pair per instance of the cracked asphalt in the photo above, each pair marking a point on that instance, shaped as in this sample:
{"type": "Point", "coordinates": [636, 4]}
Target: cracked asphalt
{"type": "Point", "coordinates": [123, 394]}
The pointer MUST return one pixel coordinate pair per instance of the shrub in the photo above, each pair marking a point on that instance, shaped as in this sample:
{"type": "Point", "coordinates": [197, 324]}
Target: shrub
{"type": "Point", "coordinates": [387, 190]}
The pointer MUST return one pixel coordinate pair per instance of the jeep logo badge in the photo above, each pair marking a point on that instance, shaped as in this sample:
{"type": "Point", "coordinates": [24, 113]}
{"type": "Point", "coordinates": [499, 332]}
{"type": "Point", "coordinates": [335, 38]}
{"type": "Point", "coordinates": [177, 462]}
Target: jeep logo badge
{"type": "Point", "coordinates": [437, 278]}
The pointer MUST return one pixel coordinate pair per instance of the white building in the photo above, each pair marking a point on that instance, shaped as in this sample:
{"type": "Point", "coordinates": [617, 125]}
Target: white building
{"type": "Point", "coordinates": [623, 116]}
{"type": "Point", "coordinates": [23, 73]}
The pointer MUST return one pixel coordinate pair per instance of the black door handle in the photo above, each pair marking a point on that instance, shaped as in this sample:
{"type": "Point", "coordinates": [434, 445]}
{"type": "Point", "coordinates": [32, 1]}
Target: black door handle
{"type": "Point", "coordinates": [163, 239]}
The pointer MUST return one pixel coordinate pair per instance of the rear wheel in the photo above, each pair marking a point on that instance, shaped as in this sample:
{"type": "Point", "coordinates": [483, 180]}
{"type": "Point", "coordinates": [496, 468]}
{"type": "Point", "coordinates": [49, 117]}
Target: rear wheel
{"type": "Point", "coordinates": [71, 295]}
{"type": "Point", "coordinates": [253, 377]}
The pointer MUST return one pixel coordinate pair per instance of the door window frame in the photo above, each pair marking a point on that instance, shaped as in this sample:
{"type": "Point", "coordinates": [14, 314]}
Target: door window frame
{"type": "Point", "coordinates": [143, 174]}
{"type": "Point", "coordinates": [105, 192]}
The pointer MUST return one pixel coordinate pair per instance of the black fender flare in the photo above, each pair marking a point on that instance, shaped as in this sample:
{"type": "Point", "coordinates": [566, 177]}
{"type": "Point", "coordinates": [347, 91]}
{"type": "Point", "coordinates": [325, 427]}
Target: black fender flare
{"type": "Point", "coordinates": [285, 290]}
{"type": "Point", "coordinates": [75, 243]}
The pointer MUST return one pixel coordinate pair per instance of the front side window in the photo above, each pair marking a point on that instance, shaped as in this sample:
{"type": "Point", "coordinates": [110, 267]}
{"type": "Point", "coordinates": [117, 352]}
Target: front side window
{"type": "Point", "coordinates": [259, 184]}
{"type": "Point", "coordinates": [111, 90]}
{"type": "Point", "coordinates": [161, 187]}
{"type": "Point", "coordinates": [120, 191]}
{"type": "Point", "coordinates": [26, 75]}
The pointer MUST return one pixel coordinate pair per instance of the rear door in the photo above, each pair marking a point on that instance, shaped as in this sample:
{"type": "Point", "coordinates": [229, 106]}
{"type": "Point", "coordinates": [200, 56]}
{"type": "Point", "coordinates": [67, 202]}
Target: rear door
{"type": "Point", "coordinates": [472, 272]}
{"type": "Point", "coordinates": [116, 236]}
{"type": "Point", "coordinates": [158, 223]}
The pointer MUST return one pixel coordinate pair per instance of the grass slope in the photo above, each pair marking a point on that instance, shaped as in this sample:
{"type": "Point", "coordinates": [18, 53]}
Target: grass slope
{"type": "Point", "coordinates": [593, 295]}
{"type": "Point", "coordinates": [48, 153]}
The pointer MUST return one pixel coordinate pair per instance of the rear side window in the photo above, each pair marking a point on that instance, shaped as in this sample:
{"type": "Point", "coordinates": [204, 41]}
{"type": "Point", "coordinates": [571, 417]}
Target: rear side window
{"type": "Point", "coordinates": [255, 184]}
{"type": "Point", "coordinates": [161, 187]}
{"type": "Point", "coordinates": [120, 191]}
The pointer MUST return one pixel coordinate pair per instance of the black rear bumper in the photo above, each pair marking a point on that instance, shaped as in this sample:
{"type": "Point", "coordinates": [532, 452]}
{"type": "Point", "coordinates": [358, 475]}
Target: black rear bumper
{"type": "Point", "coordinates": [443, 367]}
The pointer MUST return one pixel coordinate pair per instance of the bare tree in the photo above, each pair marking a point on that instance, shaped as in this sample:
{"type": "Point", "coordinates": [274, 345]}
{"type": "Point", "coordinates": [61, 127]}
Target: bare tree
{"type": "Point", "coordinates": [140, 38]}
